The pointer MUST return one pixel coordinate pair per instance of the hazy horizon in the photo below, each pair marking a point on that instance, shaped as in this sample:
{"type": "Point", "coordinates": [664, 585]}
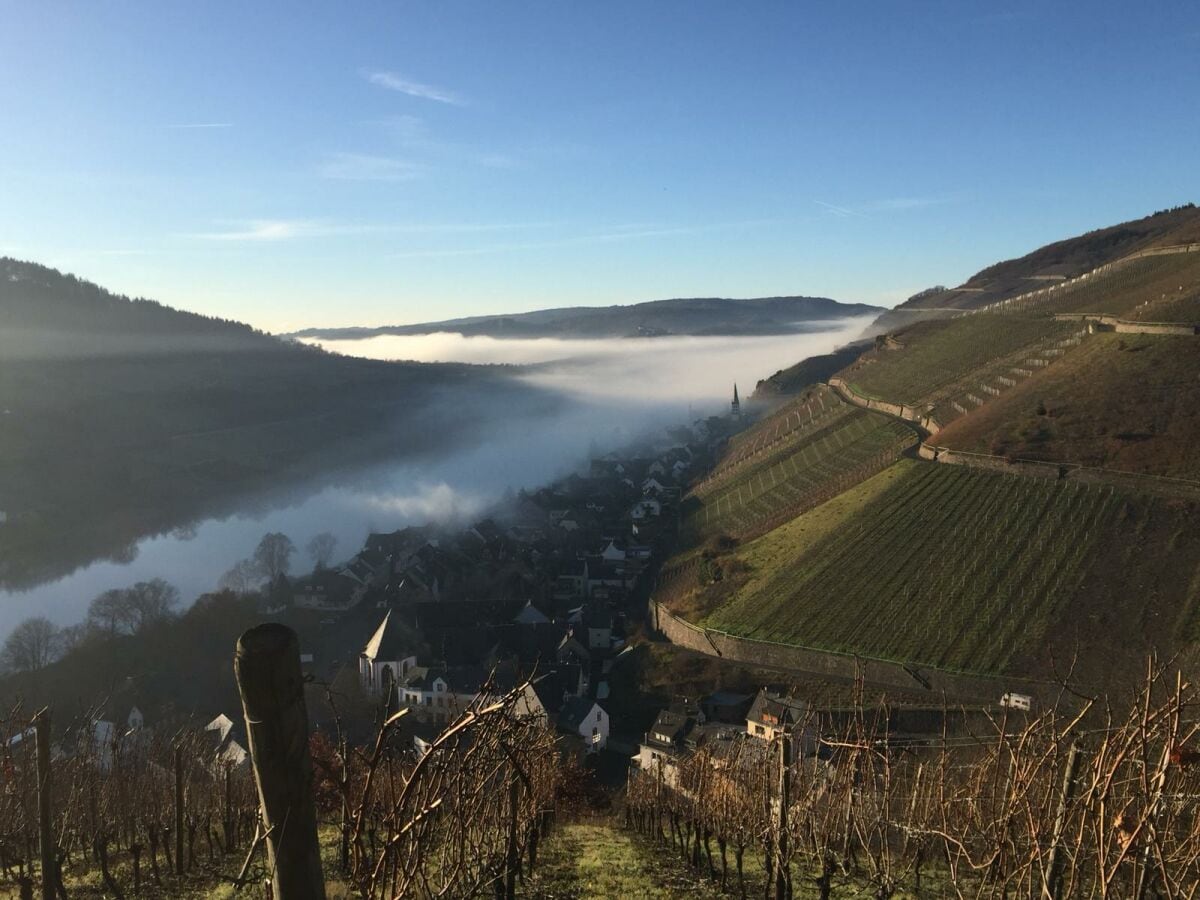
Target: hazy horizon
{"type": "Point", "coordinates": [390, 164]}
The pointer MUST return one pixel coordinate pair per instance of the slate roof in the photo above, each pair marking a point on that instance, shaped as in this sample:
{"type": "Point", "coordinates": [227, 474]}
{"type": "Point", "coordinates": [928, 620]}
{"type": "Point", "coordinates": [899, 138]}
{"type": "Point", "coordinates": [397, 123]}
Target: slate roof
{"type": "Point", "coordinates": [673, 726]}
{"type": "Point", "coordinates": [726, 705]}
{"type": "Point", "coordinates": [778, 710]}
{"type": "Point", "coordinates": [575, 711]}
{"type": "Point", "coordinates": [531, 615]}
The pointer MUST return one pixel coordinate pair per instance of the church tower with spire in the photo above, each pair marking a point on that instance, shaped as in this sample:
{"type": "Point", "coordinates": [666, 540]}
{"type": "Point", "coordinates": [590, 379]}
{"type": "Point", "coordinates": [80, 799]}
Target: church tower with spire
{"type": "Point", "coordinates": [735, 408]}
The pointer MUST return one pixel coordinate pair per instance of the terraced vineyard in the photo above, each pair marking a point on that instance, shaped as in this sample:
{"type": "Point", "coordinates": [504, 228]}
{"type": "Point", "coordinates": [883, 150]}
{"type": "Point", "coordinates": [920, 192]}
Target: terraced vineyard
{"type": "Point", "coordinates": [945, 566]}
{"type": "Point", "coordinates": [1140, 288]}
{"type": "Point", "coordinates": [1120, 401]}
{"type": "Point", "coordinates": [938, 355]}
{"type": "Point", "coordinates": [789, 422]}
{"type": "Point", "coordinates": [792, 464]}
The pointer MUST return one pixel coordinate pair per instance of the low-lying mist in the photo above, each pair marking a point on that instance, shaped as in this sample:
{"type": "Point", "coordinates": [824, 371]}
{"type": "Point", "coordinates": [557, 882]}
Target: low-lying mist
{"type": "Point", "coordinates": [612, 392]}
{"type": "Point", "coordinates": [660, 370]}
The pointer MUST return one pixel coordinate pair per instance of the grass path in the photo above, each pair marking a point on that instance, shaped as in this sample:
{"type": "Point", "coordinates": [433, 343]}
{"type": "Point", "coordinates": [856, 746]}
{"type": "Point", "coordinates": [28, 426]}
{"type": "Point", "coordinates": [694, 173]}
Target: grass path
{"type": "Point", "coordinates": [582, 862]}
{"type": "Point", "coordinates": [603, 861]}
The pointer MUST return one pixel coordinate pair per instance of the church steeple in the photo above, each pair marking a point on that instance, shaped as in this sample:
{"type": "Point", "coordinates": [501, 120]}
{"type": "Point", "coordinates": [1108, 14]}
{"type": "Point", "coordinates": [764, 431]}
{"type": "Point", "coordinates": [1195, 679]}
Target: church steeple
{"type": "Point", "coordinates": [735, 408]}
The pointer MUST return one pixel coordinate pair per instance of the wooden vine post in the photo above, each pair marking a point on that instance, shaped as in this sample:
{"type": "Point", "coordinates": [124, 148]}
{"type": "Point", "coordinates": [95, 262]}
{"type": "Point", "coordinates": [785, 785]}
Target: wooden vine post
{"type": "Point", "coordinates": [267, 665]}
{"type": "Point", "coordinates": [41, 730]}
{"type": "Point", "coordinates": [1062, 810]}
{"type": "Point", "coordinates": [783, 875]}
{"type": "Point", "coordinates": [178, 764]}
{"type": "Point", "coordinates": [512, 861]}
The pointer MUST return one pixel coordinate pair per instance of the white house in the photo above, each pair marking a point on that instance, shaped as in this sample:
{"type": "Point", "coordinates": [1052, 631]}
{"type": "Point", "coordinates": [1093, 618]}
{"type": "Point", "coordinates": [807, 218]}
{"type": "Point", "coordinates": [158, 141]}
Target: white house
{"type": "Point", "coordinates": [612, 553]}
{"type": "Point", "coordinates": [589, 720]}
{"type": "Point", "coordinates": [328, 592]}
{"type": "Point", "coordinates": [440, 694]}
{"type": "Point", "coordinates": [653, 486]}
{"type": "Point", "coordinates": [645, 508]}
{"type": "Point", "coordinates": [771, 715]}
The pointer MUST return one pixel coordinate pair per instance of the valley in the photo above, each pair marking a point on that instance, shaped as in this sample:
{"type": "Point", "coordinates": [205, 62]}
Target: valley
{"type": "Point", "coordinates": [961, 533]}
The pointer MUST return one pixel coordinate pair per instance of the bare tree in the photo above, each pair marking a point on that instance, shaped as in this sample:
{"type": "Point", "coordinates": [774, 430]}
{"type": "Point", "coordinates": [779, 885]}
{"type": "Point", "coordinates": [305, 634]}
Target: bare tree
{"type": "Point", "coordinates": [320, 549]}
{"type": "Point", "coordinates": [32, 645]}
{"type": "Point", "coordinates": [73, 636]}
{"type": "Point", "coordinates": [109, 612]}
{"type": "Point", "coordinates": [243, 578]}
{"type": "Point", "coordinates": [273, 555]}
{"type": "Point", "coordinates": [149, 601]}
{"type": "Point", "coordinates": [130, 609]}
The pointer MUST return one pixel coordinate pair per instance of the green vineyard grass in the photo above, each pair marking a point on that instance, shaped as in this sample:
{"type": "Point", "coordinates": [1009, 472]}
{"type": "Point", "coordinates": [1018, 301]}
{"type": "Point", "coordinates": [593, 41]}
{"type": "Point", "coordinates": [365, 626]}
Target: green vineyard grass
{"type": "Point", "coordinates": [798, 471]}
{"type": "Point", "coordinates": [948, 566]}
{"type": "Point", "coordinates": [937, 354]}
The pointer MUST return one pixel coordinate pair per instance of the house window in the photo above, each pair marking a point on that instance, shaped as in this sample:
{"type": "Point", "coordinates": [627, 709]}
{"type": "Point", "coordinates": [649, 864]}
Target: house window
{"type": "Point", "coordinates": [597, 717]}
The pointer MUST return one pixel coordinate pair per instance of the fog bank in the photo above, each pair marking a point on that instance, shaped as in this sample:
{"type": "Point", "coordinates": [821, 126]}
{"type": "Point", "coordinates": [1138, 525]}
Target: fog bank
{"type": "Point", "coordinates": [616, 389]}
{"type": "Point", "coordinates": [672, 370]}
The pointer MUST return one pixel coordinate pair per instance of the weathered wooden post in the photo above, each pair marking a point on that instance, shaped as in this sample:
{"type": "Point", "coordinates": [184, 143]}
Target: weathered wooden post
{"type": "Point", "coordinates": [1066, 795]}
{"type": "Point", "coordinates": [41, 730]}
{"type": "Point", "coordinates": [267, 664]}
{"type": "Point", "coordinates": [512, 862]}
{"type": "Point", "coordinates": [228, 825]}
{"type": "Point", "coordinates": [782, 857]}
{"type": "Point", "coordinates": [178, 760]}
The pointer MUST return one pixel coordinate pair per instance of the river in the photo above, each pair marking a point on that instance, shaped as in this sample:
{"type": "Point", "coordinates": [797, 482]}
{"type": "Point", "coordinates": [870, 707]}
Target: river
{"type": "Point", "coordinates": [616, 388]}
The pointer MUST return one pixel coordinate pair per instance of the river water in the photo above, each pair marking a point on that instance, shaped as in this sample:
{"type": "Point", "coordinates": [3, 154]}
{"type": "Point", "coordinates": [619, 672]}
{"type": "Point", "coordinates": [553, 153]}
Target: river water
{"type": "Point", "coordinates": [616, 389]}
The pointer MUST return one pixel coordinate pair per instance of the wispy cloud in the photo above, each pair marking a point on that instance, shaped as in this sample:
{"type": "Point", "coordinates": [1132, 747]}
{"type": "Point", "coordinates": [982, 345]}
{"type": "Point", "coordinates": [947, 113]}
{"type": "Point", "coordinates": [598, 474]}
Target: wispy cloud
{"type": "Point", "coordinates": [365, 167]}
{"type": "Point", "coordinates": [255, 230]}
{"type": "Point", "coordinates": [262, 230]}
{"type": "Point", "coordinates": [202, 125]}
{"type": "Point", "coordinates": [395, 82]}
{"type": "Point", "coordinates": [412, 135]}
{"type": "Point", "coordinates": [901, 203]}
{"type": "Point", "coordinates": [887, 205]}
{"type": "Point", "coordinates": [843, 212]}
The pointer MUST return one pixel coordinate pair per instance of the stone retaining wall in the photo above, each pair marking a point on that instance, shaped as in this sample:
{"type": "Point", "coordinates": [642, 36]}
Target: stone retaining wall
{"type": "Point", "coordinates": [939, 684]}
{"type": "Point", "coordinates": [1054, 471]}
{"type": "Point", "coordinates": [900, 411]}
{"type": "Point", "coordinates": [1130, 326]}
{"type": "Point", "coordinates": [1035, 295]}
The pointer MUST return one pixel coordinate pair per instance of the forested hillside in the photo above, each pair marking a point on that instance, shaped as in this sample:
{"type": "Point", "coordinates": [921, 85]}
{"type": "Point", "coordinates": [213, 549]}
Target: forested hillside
{"type": "Point", "coordinates": [691, 316]}
{"type": "Point", "coordinates": [120, 417]}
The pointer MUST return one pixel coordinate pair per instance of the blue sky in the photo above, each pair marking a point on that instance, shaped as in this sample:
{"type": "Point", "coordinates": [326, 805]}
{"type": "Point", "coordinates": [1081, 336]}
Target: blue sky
{"type": "Point", "coordinates": [371, 163]}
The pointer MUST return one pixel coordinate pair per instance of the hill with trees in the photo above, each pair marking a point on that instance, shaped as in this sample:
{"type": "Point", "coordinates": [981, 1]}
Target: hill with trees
{"type": "Point", "coordinates": [656, 318]}
{"type": "Point", "coordinates": [121, 418]}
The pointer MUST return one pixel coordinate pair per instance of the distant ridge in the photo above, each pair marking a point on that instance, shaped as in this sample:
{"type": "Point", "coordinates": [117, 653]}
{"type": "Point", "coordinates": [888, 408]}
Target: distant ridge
{"type": "Point", "coordinates": [1064, 259]}
{"type": "Point", "coordinates": [122, 417]}
{"type": "Point", "coordinates": [656, 318]}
